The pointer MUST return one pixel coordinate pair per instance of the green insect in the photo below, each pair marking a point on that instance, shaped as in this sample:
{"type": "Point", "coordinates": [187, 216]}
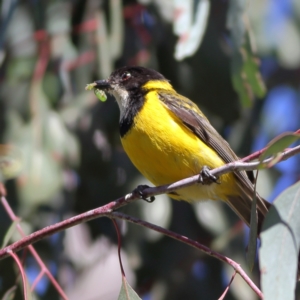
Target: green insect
{"type": "Point", "coordinates": [99, 93]}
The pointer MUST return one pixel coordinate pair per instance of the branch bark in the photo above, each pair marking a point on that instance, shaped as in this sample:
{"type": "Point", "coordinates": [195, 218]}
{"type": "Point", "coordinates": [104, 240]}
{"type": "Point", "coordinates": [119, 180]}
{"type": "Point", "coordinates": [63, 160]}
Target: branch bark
{"type": "Point", "coordinates": [108, 211]}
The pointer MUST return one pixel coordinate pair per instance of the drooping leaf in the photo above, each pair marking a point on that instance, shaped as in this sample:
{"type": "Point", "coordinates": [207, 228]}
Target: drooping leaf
{"type": "Point", "coordinates": [246, 77]}
{"type": "Point", "coordinates": [280, 246]}
{"type": "Point", "coordinates": [278, 144]}
{"type": "Point", "coordinates": [190, 25]}
{"type": "Point", "coordinates": [10, 293]}
{"type": "Point", "coordinates": [127, 292]}
{"type": "Point", "coordinates": [9, 233]}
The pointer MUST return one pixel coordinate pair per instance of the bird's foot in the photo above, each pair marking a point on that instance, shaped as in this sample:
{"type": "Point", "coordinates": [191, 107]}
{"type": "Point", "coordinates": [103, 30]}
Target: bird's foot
{"type": "Point", "coordinates": [139, 190]}
{"type": "Point", "coordinates": [205, 177]}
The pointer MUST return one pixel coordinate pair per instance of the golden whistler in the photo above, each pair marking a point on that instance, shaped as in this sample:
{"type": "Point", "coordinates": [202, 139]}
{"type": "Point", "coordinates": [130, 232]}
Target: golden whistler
{"type": "Point", "coordinates": [168, 138]}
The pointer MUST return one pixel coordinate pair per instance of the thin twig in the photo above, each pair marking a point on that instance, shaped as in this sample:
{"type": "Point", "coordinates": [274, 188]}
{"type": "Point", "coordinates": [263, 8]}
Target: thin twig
{"type": "Point", "coordinates": [119, 246]}
{"type": "Point", "coordinates": [228, 286]}
{"type": "Point", "coordinates": [40, 262]}
{"type": "Point", "coordinates": [194, 244]}
{"type": "Point", "coordinates": [108, 208]}
{"type": "Point", "coordinates": [16, 259]}
{"type": "Point", "coordinates": [37, 279]}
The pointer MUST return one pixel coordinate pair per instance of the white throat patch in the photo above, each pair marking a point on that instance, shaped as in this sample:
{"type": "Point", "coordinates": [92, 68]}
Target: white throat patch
{"type": "Point", "coordinates": [122, 97]}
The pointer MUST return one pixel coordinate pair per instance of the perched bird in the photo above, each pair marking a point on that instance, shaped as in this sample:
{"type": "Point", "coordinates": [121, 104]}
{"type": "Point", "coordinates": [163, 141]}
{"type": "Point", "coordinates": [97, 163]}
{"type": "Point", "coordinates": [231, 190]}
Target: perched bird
{"type": "Point", "coordinates": [168, 138]}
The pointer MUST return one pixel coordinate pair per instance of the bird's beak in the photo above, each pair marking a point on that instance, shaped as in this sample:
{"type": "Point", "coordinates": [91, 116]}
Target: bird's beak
{"type": "Point", "coordinates": [102, 85]}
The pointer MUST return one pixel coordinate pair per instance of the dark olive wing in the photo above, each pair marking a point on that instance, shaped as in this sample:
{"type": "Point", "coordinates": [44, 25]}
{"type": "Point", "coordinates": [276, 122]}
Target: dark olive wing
{"type": "Point", "coordinates": [195, 121]}
{"type": "Point", "coordinates": [193, 118]}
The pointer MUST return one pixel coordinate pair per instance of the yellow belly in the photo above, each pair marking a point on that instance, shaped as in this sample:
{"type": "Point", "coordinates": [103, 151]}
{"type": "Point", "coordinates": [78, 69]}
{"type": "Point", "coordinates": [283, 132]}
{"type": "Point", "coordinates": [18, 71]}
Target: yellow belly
{"type": "Point", "coordinates": [165, 151]}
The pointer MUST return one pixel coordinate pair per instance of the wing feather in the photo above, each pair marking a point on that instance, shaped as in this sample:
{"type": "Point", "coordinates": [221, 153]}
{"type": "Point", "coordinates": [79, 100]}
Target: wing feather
{"type": "Point", "coordinates": [194, 120]}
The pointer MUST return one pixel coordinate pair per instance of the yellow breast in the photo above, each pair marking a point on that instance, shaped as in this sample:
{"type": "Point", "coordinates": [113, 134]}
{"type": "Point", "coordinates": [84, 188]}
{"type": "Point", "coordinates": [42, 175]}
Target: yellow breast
{"type": "Point", "coordinates": [164, 151]}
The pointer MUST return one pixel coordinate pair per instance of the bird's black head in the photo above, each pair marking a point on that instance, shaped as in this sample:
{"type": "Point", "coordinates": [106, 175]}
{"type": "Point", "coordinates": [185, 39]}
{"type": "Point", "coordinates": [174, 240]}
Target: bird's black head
{"type": "Point", "coordinates": [128, 84]}
{"type": "Point", "coordinates": [128, 78]}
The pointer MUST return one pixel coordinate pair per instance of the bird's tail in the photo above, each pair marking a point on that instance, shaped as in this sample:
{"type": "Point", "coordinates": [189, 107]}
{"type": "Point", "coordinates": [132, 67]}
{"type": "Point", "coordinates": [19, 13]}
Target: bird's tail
{"type": "Point", "coordinates": [241, 203]}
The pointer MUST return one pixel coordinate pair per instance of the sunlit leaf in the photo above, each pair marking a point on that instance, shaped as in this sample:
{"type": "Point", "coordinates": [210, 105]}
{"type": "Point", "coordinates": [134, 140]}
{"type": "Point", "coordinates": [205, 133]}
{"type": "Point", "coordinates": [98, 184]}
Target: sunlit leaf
{"type": "Point", "coordinates": [10, 161]}
{"type": "Point", "coordinates": [190, 25]}
{"type": "Point", "coordinates": [127, 292]}
{"type": "Point", "coordinates": [277, 145]}
{"type": "Point", "coordinates": [41, 178]}
{"type": "Point", "coordinates": [280, 246]}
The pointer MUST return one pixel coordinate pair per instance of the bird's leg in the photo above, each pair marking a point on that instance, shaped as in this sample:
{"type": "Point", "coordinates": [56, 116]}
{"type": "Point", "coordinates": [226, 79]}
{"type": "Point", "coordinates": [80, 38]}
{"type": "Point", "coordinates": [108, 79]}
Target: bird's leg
{"type": "Point", "coordinates": [139, 190]}
{"type": "Point", "coordinates": [205, 177]}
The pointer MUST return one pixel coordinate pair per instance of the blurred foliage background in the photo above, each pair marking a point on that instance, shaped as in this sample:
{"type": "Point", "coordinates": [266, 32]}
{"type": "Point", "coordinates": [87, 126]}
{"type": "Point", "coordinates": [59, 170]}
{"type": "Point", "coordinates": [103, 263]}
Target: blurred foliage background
{"type": "Point", "coordinates": [67, 146]}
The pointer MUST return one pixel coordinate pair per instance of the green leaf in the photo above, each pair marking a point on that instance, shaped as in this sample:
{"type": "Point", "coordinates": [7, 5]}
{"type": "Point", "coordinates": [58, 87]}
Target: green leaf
{"type": "Point", "coordinates": [245, 74]}
{"type": "Point", "coordinates": [278, 144]}
{"type": "Point", "coordinates": [280, 246]}
{"type": "Point", "coordinates": [127, 292]}
{"type": "Point", "coordinates": [10, 293]}
{"type": "Point", "coordinates": [11, 162]}
{"type": "Point", "coordinates": [20, 68]}
{"type": "Point", "coordinates": [246, 78]}
{"type": "Point", "coordinates": [10, 232]}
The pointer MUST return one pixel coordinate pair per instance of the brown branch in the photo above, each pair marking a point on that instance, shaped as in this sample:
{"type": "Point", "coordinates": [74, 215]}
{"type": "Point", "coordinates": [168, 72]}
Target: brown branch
{"type": "Point", "coordinates": [107, 211]}
{"type": "Point", "coordinates": [44, 269]}
{"type": "Point", "coordinates": [119, 246]}
{"type": "Point", "coordinates": [192, 243]}
{"type": "Point", "coordinates": [108, 208]}
{"type": "Point", "coordinates": [228, 286]}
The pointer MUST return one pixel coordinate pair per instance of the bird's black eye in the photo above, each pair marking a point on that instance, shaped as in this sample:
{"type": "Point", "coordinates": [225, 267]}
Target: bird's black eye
{"type": "Point", "coordinates": [125, 76]}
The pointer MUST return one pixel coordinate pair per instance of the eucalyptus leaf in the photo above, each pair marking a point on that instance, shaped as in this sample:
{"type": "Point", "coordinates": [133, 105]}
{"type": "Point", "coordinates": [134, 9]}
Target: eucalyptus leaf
{"type": "Point", "coordinates": [11, 162]}
{"type": "Point", "coordinates": [278, 144]}
{"type": "Point", "coordinates": [9, 233]}
{"type": "Point", "coordinates": [246, 78]}
{"type": "Point", "coordinates": [280, 246]}
{"type": "Point", "coordinates": [127, 292]}
{"type": "Point", "coordinates": [41, 178]}
{"type": "Point", "coordinates": [10, 293]}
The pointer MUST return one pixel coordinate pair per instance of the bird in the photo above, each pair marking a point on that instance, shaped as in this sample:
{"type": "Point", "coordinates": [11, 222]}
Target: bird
{"type": "Point", "coordinates": [168, 138]}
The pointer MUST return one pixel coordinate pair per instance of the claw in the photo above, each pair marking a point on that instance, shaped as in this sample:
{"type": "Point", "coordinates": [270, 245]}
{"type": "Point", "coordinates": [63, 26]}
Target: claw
{"type": "Point", "coordinates": [140, 191]}
{"type": "Point", "coordinates": [205, 177]}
